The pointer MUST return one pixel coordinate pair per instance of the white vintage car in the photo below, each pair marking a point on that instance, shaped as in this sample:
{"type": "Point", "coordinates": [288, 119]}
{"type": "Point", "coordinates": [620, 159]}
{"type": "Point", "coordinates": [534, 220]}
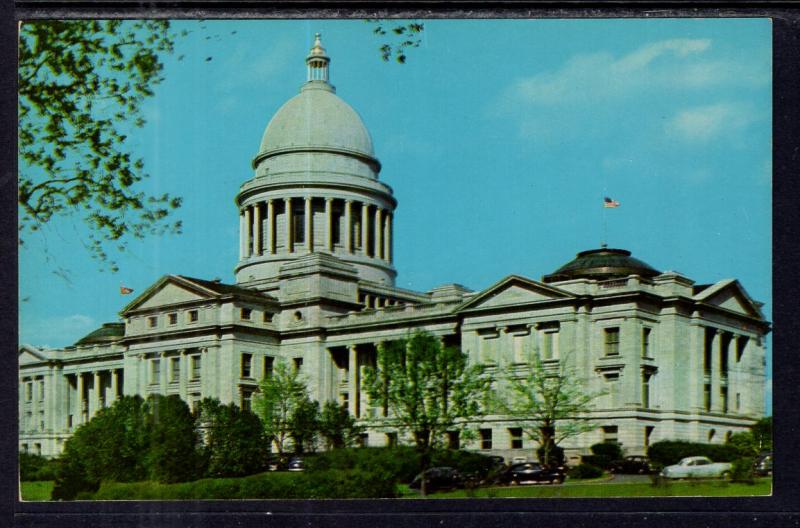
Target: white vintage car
{"type": "Point", "coordinates": [697, 467]}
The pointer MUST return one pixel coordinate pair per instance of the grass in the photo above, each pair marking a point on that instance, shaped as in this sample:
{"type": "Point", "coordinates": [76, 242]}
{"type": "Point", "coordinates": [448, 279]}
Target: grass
{"type": "Point", "coordinates": [575, 490]}
{"type": "Point", "coordinates": [36, 490]}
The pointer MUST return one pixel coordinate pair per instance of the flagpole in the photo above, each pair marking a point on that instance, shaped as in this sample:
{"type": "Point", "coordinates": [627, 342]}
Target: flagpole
{"type": "Point", "coordinates": [605, 229]}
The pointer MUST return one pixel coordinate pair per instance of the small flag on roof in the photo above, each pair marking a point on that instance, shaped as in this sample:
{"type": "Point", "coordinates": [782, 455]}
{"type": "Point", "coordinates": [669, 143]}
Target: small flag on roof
{"type": "Point", "coordinates": [608, 202]}
{"type": "Point", "coordinates": [124, 290]}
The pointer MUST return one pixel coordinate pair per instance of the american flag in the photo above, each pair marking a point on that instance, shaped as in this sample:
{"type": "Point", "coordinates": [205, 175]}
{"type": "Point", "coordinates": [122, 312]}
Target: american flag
{"type": "Point", "coordinates": [124, 290]}
{"type": "Point", "coordinates": [608, 202]}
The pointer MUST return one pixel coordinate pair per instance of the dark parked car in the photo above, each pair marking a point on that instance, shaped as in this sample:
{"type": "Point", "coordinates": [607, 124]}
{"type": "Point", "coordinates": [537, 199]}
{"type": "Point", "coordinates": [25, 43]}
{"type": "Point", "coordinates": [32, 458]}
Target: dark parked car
{"type": "Point", "coordinates": [763, 465]}
{"type": "Point", "coordinates": [438, 478]}
{"type": "Point", "coordinates": [638, 465]}
{"type": "Point", "coordinates": [296, 464]}
{"type": "Point", "coordinates": [531, 472]}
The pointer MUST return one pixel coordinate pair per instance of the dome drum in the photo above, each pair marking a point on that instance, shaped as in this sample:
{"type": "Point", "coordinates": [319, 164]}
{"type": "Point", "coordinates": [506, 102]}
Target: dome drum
{"type": "Point", "coordinates": [602, 264]}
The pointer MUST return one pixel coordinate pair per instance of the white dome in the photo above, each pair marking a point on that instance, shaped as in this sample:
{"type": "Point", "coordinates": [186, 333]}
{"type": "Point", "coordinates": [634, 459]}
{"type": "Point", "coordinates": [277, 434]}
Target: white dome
{"type": "Point", "coordinates": [316, 119]}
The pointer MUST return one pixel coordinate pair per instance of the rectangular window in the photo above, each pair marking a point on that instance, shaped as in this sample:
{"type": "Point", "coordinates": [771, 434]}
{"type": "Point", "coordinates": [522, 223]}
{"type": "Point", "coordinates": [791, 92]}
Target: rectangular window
{"type": "Point", "coordinates": [41, 420]}
{"type": "Point", "coordinates": [486, 438]}
{"type": "Point", "coordinates": [738, 401]}
{"type": "Point", "coordinates": [298, 363]}
{"type": "Point", "coordinates": [708, 345]}
{"type": "Point", "coordinates": [267, 317]}
{"type": "Point", "coordinates": [247, 399]}
{"type": "Point", "coordinates": [646, 390]}
{"type": "Point", "coordinates": [246, 313]}
{"type": "Point", "coordinates": [196, 364]}
{"type": "Point", "coordinates": [391, 439]}
{"type": "Point", "coordinates": [612, 341]}
{"type": "Point", "coordinates": [515, 434]}
{"type": "Point", "coordinates": [723, 394]}
{"type": "Point", "coordinates": [29, 391]}
{"type": "Point", "coordinates": [269, 363]}
{"type": "Point", "coordinates": [193, 316]}
{"type": "Point", "coordinates": [453, 440]}
{"type": "Point", "coordinates": [707, 396]}
{"type": "Point", "coordinates": [155, 371]}
{"type": "Point", "coordinates": [37, 449]}
{"type": "Point", "coordinates": [345, 400]}
{"type": "Point", "coordinates": [646, 342]}
{"type": "Point", "coordinates": [194, 398]}
{"type": "Point", "coordinates": [247, 360]}
{"type": "Point", "coordinates": [174, 370]}
{"type": "Point", "coordinates": [610, 434]}
{"type": "Point", "coordinates": [41, 390]}
{"type": "Point", "coordinates": [547, 345]}
{"type": "Point", "coordinates": [172, 318]}
{"type": "Point", "coordinates": [519, 348]}
{"type": "Point", "coordinates": [152, 321]}
{"type": "Point", "coordinates": [336, 220]}
{"type": "Point", "coordinates": [298, 227]}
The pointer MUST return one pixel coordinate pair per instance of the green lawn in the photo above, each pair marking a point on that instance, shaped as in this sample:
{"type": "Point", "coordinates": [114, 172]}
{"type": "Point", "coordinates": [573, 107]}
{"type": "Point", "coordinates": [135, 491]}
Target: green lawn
{"type": "Point", "coordinates": [36, 491]}
{"type": "Point", "coordinates": [575, 489]}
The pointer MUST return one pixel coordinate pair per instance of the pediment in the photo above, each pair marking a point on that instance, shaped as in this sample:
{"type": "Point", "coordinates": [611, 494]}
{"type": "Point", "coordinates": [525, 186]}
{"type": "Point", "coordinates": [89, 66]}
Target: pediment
{"type": "Point", "coordinates": [29, 355]}
{"type": "Point", "coordinates": [515, 290]}
{"type": "Point", "coordinates": [168, 291]}
{"type": "Point", "coordinates": [730, 295]}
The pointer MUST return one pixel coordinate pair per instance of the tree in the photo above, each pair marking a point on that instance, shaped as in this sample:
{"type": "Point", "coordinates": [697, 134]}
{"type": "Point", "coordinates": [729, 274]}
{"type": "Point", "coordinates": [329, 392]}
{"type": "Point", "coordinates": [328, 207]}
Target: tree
{"type": "Point", "coordinates": [233, 442]}
{"type": "Point", "coordinates": [304, 425]}
{"type": "Point", "coordinates": [398, 37]}
{"type": "Point", "coordinates": [762, 433]}
{"type": "Point", "coordinates": [172, 440]}
{"type": "Point", "coordinates": [337, 426]}
{"type": "Point", "coordinates": [81, 88]}
{"type": "Point", "coordinates": [279, 396]}
{"type": "Point", "coordinates": [426, 389]}
{"type": "Point", "coordinates": [549, 401]}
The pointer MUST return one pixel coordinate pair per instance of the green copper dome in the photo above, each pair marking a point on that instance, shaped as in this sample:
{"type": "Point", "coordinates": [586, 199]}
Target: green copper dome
{"type": "Point", "coordinates": [602, 264]}
{"type": "Point", "coordinates": [107, 333]}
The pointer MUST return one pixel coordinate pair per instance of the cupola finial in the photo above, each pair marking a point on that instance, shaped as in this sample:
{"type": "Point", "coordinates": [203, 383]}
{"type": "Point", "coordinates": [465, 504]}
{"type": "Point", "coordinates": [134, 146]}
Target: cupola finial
{"type": "Point", "coordinates": [317, 61]}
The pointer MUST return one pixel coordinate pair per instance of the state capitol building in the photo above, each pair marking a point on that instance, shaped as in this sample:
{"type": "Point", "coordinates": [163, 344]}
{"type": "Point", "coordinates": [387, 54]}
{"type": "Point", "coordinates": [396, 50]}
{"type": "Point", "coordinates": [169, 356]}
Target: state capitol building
{"type": "Point", "coordinates": [315, 286]}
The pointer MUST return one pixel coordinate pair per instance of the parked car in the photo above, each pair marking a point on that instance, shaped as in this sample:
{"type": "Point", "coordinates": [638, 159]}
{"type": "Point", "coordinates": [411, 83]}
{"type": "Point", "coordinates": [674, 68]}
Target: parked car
{"type": "Point", "coordinates": [531, 473]}
{"type": "Point", "coordinates": [438, 478]}
{"type": "Point", "coordinates": [636, 465]}
{"type": "Point", "coordinates": [763, 465]}
{"type": "Point", "coordinates": [296, 464]}
{"type": "Point", "coordinates": [697, 467]}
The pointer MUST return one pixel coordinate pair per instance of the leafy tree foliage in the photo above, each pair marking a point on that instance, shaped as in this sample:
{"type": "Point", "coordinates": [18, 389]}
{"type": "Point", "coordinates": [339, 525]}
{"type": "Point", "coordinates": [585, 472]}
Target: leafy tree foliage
{"type": "Point", "coordinates": [398, 37]}
{"type": "Point", "coordinates": [233, 442]}
{"type": "Point", "coordinates": [304, 425]}
{"type": "Point", "coordinates": [549, 401]}
{"type": "Point", "coordinates": [337, 426]}
{"type": "Point", "coordinates": [81, 88]}
{"type": "Point", "coordinates": [427, 389]}
{"type": "Point", "coordinates": [280, 394]}
{"type": "Point", "coordinates": [172, 440]}
{"type": "Point", "coordinates": [762, 433]}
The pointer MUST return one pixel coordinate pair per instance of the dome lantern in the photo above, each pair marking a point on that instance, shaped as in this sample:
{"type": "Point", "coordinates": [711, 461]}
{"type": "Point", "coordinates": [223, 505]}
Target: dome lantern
{"type": "Point", "coordinates": [317, 61]}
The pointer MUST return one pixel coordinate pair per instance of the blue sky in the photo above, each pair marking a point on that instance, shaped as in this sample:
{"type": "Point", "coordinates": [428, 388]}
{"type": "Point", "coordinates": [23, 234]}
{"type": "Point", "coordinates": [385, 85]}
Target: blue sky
{"type": "Point", "coordinates": [500, 139]}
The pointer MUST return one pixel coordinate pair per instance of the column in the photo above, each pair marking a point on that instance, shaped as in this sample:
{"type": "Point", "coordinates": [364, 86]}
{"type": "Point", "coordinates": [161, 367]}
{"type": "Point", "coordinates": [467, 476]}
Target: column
{"type": "Point", "coordinates": [378, 253]}
{"type": "Point", "coordinates": [309, 226]}
{"type": "Point", "coordinates": [271, 227]}
{"type": "Point", "coordinates": [716, 346]}
{"type": "Point", "coordinates": [348, 226]}
{"type": "Point", "coordinates": [79, 399]}
{"type": "Point", "coordinates": [257, 229]}
{"type": "Point", "coordinates": [353, 380]}
{"type": "Point", "coordinates": [329, 224]}
{"type": "Point", "coordinates": [387, 238]}
{"type": "Point", "coordinates": [184, 375]}
{"type": "Point", "coordinates": [364, 229]}
{"type": "Point", "coordinates": [163, 373]}
{"type": "Point", "coordinates": [288, 215]}
{"type": "Point", "coordinates": [248, 226]}
{"type": "Point", "coordinates": [241, 234]}
{"type": "Point", "coordinates": [114, 384]}
{"type": "Point", "coordinates": [97, 391]}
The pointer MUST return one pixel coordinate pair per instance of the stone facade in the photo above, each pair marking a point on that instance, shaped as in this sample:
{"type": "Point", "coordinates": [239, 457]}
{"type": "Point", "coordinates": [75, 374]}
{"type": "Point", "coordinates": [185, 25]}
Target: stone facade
{"type": "Point", "coordinates": [315, 286]}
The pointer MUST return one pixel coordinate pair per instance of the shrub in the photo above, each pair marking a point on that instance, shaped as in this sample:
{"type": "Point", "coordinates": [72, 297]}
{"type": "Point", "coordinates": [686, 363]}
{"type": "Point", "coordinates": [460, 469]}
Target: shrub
{"type": "Point", "coordinates": [330, 484]}
{"type": "Point", "coordinates": [585, 471]}
{"type": "Point", "coordinates": [36, 467]}
{"type": "Point", "coordinates": [607, 449]}
{"type": "Point", "coordinates": [670, 452]}
{"type": "Point", "coordinates": [466, 462]}
{"type": "Point", "coordinates": [742, 470]}
{"type": "Point", "coordinates": [395, 463]}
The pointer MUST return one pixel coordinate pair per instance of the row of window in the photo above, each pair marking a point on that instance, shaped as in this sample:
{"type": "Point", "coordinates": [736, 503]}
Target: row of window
{"type": "Point", "coordinates": [174, 373]}
{"type": "Point", "coordinates": [28, 388]}
{"type": "Point", "coordinates": [610, 434]}
{"type": "Point", "coordinates": [246, 365]}
{"type": "Point", "coordinates": [193, 316]}
{"type": "Point", "coordinates": [611, 342]}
